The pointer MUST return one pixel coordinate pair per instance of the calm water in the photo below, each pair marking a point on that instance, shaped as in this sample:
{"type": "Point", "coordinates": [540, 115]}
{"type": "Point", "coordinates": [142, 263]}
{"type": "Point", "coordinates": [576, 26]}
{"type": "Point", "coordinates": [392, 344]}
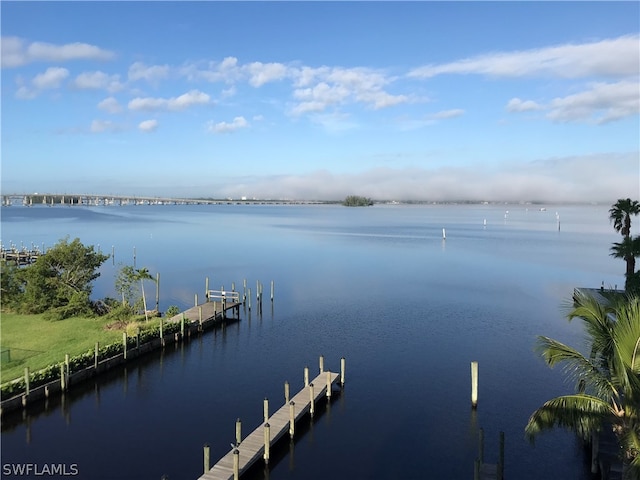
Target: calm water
{"type": "Point", "coordinates": [378, 286]}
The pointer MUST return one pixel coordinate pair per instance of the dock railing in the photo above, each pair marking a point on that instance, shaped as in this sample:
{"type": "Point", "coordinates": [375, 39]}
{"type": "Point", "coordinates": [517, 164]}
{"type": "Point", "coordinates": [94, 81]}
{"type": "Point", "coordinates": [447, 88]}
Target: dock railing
{"type": "Point", "coordinates": [227, 296]}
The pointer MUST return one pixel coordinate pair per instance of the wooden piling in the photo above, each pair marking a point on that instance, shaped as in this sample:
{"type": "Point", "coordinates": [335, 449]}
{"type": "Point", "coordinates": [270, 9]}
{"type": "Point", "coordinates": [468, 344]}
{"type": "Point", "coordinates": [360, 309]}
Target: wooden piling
{"type": "Point", "coordinates": [236, 464]}
{"type": "Point", "coordinates": [306, 376]}
{"type": "Point", "coordinates": [267, 442]}
{"type": "Point", "coordinates": [26, 380]}
{"type": "Point", "coordinates": [207, 457]}
{"type": "Point", "coordinates": [272, 288]}
{"type": "Point", "coordinates": [474, 384]}
{"type": "Point", "coordinates": [96, 356]}
{"type": "Point", "coordinates": [157, 292]}
{"type": "Point", "coordinates": [266, 409]}
{"type": "Point", "coordinates": [206, 288]}
{"type": "Point", "coordinates": [343, 364]}
{"type": "Point", "coordinates": [286, 392]}
{"type": "Point", "coordinates": [195, 300]}
{"type": "Point", "coordinates": [124, 345]}
{"type": "Point", "coordinates": [329, 385]}
{"type": "Point", "coordinates": [312, 398]}
{"type": "Point", "coordinates": [321, 363]}
{"type": "Point", "coordinates": [238, 431]}
{"type": "Point", "coordinates": [63, 383]}
{"type": "Point", "coordinates": [292, 418]}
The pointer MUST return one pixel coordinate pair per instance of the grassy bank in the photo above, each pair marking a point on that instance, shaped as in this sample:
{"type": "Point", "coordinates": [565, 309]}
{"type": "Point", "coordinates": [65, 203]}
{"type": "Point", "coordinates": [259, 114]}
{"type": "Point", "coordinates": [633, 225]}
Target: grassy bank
{"type": "Point", "coordinates": [37, 343]}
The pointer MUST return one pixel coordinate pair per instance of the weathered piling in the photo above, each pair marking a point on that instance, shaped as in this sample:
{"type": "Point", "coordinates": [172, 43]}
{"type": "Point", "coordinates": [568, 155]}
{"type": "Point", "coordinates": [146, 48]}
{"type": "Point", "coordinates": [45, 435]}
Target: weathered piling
{"type": "Point", "coordinates": [474, 384]}
{"type": "Point", "coordinates": [207, 457]}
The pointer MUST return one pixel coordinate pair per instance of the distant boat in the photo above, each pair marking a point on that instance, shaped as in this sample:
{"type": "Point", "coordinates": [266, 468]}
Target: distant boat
{"type": "Point", "coordinates": [542, 209]}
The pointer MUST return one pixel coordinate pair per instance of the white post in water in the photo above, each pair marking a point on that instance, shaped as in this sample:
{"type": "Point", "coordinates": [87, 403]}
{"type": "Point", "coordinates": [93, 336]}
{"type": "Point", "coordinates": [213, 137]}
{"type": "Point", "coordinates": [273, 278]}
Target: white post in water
{"type": "Point", "coordinates": [312, 400]}
{"type": "Point", "coordinates": [207, 456]}
{"type": "Point", "coordinates": [286, 392]}
{"type": "Point", "coordinates": [238, 431]}
{"type": "Point", "coordinates": [474, 384]}
{"type": "Point", "coordinates": [321, 363]}
{"type": "Point", "coordinates": [267, 442]}
{"type": "Point", "coordinates": [206, 288]}
{"type": "Point", "coordinates": [306, 376]}
{"type": "Point", "coordinates": [343, 365]}
{"type": "Point", "coordinates": [329, 385]}
{"type": "Point", "coordinates": [272, 290]}
{"type": "Point", "coordinates": [266, 410]}
{"type": "Point", "coordinates": [292, 418]}
{"type": "Point", "coordinates": [444, 234]}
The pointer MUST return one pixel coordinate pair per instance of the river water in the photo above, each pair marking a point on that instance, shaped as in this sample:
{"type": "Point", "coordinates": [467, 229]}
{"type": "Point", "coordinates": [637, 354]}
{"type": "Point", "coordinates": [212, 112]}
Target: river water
{"type": "Point", "coordinates": [379, 286]}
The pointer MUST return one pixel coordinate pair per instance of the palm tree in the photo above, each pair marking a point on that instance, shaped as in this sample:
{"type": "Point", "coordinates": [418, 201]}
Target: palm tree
{"type": "Point", "coordinates": [628, 249]}
{"type": "Point", "coordinates": [607, 379]}
{"type": "Point", "coordinates": [620, 214]}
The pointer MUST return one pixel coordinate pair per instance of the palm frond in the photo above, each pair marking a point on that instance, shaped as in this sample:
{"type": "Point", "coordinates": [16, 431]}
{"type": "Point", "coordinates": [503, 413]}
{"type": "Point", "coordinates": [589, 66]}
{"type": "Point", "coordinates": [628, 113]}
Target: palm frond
{"type": "Point", "coordinates": [580, 413]}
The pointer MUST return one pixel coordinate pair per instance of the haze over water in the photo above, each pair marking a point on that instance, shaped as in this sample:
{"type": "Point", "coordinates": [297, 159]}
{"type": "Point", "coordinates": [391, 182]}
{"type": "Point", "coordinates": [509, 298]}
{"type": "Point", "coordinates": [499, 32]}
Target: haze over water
{"type": "Point", "coordinates": [408, 310]}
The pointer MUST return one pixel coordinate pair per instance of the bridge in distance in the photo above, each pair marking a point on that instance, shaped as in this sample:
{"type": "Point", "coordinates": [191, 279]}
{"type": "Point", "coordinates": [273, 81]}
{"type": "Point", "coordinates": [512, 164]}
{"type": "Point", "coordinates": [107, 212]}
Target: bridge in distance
{"type": "Point", "coordinates": [51, 199]}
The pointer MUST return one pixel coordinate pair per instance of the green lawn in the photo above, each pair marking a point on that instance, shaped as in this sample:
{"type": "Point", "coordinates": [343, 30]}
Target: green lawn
{"type": "Point", "coordinates": [37, 343]}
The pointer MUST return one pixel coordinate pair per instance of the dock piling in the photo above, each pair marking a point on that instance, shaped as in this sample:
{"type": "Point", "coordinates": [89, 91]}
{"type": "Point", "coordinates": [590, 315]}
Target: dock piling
{"type": "Point", "coordinates": [312, 398]}
{"type": "Point", "coordinates": [266, 409]}
{"type": "Point", "coordinates": [286, 392]}
{"type": "Point", "coordinates": [343, 364]}
{"type": "Point", "coordinates": [207, 457]}
{"type": "Point", "coordinates": [292, 418]}
{"type": "Point", "coordinates": [321, 363]}
{"type": "Point", "coordinates": [306, 376]}
{"type": "Point", "coordinates": [238, 431]}
{"type": "Point", "coordinates": [474, 384]}
{"type": "Point", "coordinates": [267, 442]}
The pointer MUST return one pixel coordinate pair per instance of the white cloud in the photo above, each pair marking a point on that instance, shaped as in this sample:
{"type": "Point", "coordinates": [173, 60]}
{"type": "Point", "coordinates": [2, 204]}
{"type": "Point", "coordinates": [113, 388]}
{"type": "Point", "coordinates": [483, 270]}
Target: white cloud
{"type": "Point", "coordinates": [617, 57]}
{"type": "Point", "coordinates": [98, 81]}
{"type": "Point", "coordinates": [261, 73]}
{"type": "Point", "coordinates": [224, 127]}
{"type": "Point", "coordinates": [153, 73]}
{"type": "Point", "coordinates": [517, 105]}
{"type": "Point", "coordinates": [50, 79]}
{"type": "Point", "coordinates": [17, 52]}
{"type": "Point", "coordinates": [601, 103]}
{"type": "Point", "coordinates": [444, 114]}
{"type": "Point", "coordinates": [148, 126]}
{"type": "Point", "coordinates": [189, 99]}
{"type": "Point", "coordinates": [110, 105]}
{"type": "Point", "coordinates": [101, 126]}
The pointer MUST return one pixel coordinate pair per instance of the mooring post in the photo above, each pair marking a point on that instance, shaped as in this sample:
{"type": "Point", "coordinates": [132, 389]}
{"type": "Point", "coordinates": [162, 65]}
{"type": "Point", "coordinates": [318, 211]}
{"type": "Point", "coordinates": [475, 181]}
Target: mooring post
{"type": "Point", "coordinates": [272, 286]}
{"type": "Point", "coordinates": [113, 254]}
{"type": "Point", "coordinates": [266, 409]}
{"type": "Point", "coordinates": [157, 292]}
{"type": "Point", "coordinates": [195, 300]}
{"type": "Point", "coordinates": [238, 431]}
{"type": "Point", "coordinates": [312, 400]}
{"type": "Point", "coordinates": [63, 383]}
{"type": "Point", "coordinates": [66, 364]}
{"type": "Point", "coordinates": [343, 365]}
{"type": "Point", "coordinates": [267, 441]}
{"type": "Point", "coordinates": [292, 418]}
{"type": "Point", "coordinates": [244, 290]}
{"type": "Point", "coordinates": [206, 288]}
{"type": "Point", "coordinates": [249, 298]}
{"type": "Point", "coordinates": [200, 317]}
{"type": "Point", "coordinates": [207, 457]}
{"type": "Point", "coordinates": [26, 380]}
{"type": "Point", "coordinates": [286, 392]}
{"type": "Point", "coordinates": [182, 326]}
{"type": "Point", "coordinates": [236, 464]}
{"type": "Point", "coordinates": [321, 362]}
{"type": "Point", "coordinates": [329, 385]}
{"type": "Point", "coordinates": [474, 384]}
{"type": "Point", "coordinates": [96, 356]}
{"type": "Point", "coordinates": [306, 376]}
{"type": "Point", "coordinates": [124, 345]}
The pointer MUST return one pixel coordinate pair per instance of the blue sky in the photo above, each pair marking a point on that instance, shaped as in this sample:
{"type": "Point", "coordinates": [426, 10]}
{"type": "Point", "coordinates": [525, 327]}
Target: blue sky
{"type": "Point", "coordinates": [318, 100]}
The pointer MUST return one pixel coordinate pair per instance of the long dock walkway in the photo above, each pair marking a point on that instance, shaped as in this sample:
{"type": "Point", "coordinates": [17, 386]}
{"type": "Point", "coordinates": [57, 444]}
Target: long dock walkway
{"type": "Point", "coordinates": [282, 421]}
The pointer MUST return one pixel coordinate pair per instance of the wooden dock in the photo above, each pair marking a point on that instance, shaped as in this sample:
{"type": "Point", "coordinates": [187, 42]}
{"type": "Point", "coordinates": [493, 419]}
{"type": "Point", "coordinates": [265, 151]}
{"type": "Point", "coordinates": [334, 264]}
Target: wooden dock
{"type": "Point", "coordinates": [255, 446]}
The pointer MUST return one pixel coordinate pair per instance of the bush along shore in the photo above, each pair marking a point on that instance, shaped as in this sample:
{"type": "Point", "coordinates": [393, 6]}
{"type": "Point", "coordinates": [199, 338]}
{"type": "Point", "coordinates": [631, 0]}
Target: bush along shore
{"type": "Point", "coordinates": [41, 384]}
